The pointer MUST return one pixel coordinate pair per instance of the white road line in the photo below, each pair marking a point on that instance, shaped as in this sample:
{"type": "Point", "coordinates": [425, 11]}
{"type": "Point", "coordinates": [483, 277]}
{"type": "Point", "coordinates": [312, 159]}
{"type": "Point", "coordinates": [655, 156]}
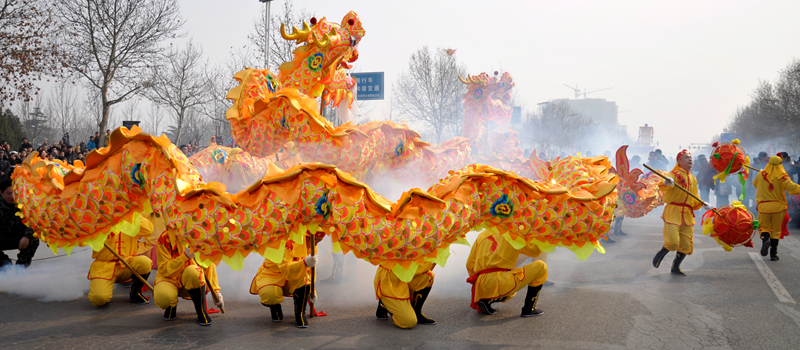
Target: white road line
{"type": "Point", "coordinates": [772, 281]}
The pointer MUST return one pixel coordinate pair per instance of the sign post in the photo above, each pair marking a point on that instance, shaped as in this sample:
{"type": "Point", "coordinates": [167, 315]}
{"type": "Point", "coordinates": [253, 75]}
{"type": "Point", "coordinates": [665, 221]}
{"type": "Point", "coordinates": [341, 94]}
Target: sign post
{"type": "Point", "coordinates": [369, 86]}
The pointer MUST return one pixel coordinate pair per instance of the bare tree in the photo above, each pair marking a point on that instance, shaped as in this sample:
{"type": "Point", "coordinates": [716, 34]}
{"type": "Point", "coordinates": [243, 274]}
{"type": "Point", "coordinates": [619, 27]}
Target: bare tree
{"type": "Point", "coordinates": [131, 110]}
{"type": "Point", "coordinates": [34, 120]}
{"type": "Point", "coordinates": [63, 107]}
{"type": "Point", "coordinates": [155, 120]}
{"type": "Point", "coordinates": [280, 49]}
{"type": "Point", "coordinates": [115, 42]}
{"type": "Point", "coordinates": [27, 37]}
{"type": "Point", "coordinates": [430, 92]}
{"type": "Point", "coordinates": [198, 128]}
{"type": "Point", "coordinates": [556, 129]}
{"type": "Point", "coordinates": [773, 115]}
{"type": "Point", "coordinates": [179, 85]}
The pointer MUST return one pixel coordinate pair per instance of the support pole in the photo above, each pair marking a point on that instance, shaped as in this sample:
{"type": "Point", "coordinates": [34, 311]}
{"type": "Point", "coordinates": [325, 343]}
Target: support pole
{"type": "Point", "coordinates": [136, 274]}
{"type": "Point", "coordinates": [313, 274]}
{"type": "Point", "coordinates": [681, 188]}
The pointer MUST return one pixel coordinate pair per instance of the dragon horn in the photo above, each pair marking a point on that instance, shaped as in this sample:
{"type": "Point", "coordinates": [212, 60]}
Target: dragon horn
{"type": "Point", "coordinates": [297, 34]}
{"type": "Point", "coordinates": [472, 80]}
{"type": "Point", "coordinates": [325, 40]}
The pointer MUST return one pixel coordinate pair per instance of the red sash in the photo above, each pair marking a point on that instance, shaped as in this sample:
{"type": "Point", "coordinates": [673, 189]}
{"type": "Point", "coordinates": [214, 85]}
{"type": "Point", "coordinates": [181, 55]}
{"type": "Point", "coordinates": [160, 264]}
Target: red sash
{"type": "Point", "coordinates": [474, 278]}
{"type": "Point", "coordinates": [785, 225]}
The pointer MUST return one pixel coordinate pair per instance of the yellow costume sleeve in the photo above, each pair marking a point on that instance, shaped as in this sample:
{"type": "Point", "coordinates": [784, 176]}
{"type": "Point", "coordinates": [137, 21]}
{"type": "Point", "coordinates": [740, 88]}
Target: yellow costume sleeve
{"type": "Point", "coordinates": [167, 265]}
{"type": "Point", "coordinates": [293, 270]}
{"type": "Point", "coordinates": [211, 273]}
{"type": "Point", "coordinates": [790, 186]}
{"type": "Point", "coordinates": [531, 250]}
{"type": "Point", "coordinates": [474, 252]}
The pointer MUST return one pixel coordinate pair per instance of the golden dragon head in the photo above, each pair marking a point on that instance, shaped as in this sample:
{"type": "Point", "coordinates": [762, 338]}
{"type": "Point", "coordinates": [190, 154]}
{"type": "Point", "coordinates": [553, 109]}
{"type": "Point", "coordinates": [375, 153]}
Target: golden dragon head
{"type": "Point", "coordinates": [319, 65]}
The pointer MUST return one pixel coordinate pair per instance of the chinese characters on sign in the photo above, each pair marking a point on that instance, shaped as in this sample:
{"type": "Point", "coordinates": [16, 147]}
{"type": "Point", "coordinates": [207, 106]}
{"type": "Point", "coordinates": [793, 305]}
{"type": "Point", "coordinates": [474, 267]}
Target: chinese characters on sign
{"type": "Point", "coordinates": [369, 86]}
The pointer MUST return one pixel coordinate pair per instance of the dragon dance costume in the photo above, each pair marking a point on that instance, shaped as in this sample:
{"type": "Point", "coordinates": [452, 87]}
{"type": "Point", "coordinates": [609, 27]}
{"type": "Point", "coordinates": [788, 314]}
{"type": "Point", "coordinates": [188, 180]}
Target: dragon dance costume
{"type": "Point", "coordinates": [179, 275]}
{"type": "Point", "coordinates": [771, 185]}
{"type": "Point", "coordinates": [291, 277]}
{"type": "Point", "coordinates": [107, 269]}
{"type": "Point", "coordinates": [403, 300]}
{"type": "Point", "coordinates": [494, 278]}
{"type": "Point", "coordinates": [679, 214]}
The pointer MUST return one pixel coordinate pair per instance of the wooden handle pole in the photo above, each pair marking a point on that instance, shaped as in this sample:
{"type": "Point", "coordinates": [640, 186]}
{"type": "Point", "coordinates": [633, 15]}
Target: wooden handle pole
{"type": "Point", "coordinates": [752, 168]}
{"type": "Point", "coordinates": [313, 274]}
{"type": "Point", "coordinates": [129, 267]}
{"type": "Point", "coordinates": [680, 188]}
{"type": "Point", "coordinates": [213, 293]}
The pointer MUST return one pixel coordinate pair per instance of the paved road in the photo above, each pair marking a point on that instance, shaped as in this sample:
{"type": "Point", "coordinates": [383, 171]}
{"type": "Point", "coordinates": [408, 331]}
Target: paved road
{"type": "Point", "coordinates": [611, 301]}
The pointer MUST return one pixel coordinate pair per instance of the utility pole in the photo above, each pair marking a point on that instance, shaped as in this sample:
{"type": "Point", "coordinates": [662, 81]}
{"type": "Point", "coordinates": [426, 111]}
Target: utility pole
{"type": "Point", "coordinates": [266, 33]}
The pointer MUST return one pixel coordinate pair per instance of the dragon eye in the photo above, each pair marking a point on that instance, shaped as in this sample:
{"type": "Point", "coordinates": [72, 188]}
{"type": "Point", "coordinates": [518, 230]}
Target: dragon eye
{"type": "Point", "coordinates": [353, 41]}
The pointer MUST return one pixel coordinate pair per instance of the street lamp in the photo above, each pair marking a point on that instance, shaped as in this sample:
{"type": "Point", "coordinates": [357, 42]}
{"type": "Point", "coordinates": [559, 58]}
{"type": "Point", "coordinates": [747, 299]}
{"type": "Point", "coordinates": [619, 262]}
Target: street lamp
{"type": "Point", "coordinates": [266, 33]}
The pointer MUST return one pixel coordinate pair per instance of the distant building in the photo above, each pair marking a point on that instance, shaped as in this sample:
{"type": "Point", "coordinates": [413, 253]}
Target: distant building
{"type": "Point", "coordinates": [601, 111]}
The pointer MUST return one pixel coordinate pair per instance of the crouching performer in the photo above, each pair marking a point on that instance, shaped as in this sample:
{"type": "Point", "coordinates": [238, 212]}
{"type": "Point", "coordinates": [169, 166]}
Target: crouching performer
{"type": "Point", "coordinates": [404, 300]}
{"type": "Point", "coordinates": [290, 277]}
{"type": "Point", "coordinates": [180, 275]}
{"type": "Point", "coordinates": [494, 278]}
{"type": "Point", "coordinates": [106, 269]}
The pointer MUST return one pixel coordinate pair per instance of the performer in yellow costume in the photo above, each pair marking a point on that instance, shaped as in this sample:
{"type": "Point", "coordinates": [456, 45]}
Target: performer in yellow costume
{"type": "Point", "coordinates": [107, 269]}
{"type": "Point", "coordinates": [292, 277]}
{"type": "Point", "coordinates": [494, 278]}
{"type": "Point", "coordinates": [771, 185]}
{"type": "Point", "coordinates": [179, 275]}
{"type": "Point", "coordinates": [404, 300]}
{"type": "Point", "coordinates": [679, 212]}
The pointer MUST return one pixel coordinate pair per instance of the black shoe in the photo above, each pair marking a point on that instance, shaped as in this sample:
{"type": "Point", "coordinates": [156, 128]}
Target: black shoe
{"type": "Point", "coordinates": [382, 313]}
{"type": "Point", "coordinates": [676, 264]}
{"type": "Point", "coordinates": [485, 307]}
{"type": "Point", "coordinates": [620, 233]}
{"type": "Point", "coordinates": [529, 308]}
{"type": "Point", "coordinates": [609, 240]}
{"type": "Point", "coordinates": [170, 313]}
{"type": "Point", "coordinates": [300, 297]}
{"type": "Point", "coordinates": [419, 299]}
{"type": "Point", "coordinates": [199, 299]}
{"type": "Point", "coordinates": [660, 256]}
{"type": "Point", "coordinates": [136, 290]}
{"type": "Point", "coordinates": [276, 312]}
{"type": "Point", "coordinates": [773, 251]}
{"type": "Point", "coordinates": [764, 243]}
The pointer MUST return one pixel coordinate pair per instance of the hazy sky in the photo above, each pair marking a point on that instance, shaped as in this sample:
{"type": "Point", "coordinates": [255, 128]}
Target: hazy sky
{"type": "Point", "coordinates": [681, 66]}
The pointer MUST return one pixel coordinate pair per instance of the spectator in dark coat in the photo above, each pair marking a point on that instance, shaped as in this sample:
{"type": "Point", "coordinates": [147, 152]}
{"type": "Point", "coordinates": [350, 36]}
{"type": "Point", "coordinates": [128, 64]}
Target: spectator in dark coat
{"type": "Point", "coordinates": [13, 233]}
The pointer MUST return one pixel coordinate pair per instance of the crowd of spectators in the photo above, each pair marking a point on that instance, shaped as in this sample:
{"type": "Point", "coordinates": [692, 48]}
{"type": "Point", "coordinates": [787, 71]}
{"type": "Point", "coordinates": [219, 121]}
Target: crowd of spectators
{"type": "Point", "coordinates": [65, 151]}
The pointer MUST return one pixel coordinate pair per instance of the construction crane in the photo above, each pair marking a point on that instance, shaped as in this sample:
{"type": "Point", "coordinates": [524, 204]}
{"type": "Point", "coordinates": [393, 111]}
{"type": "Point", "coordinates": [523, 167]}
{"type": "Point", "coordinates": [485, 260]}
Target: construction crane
{"type": "Point", "coordinates": [578, 91]}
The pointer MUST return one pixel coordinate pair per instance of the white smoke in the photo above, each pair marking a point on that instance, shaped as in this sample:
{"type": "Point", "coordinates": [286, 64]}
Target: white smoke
{"type": "Point", "coordinates": [50, 277]}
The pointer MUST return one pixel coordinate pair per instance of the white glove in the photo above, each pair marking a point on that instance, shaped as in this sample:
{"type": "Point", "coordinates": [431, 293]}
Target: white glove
{"type": "Point", "coordinates": [188, 253]}
{"type": "Point", "coordinates": [707, 206]}
{"type": "Point", "coordinates": [669, 181]}
{"type": "Point", "coordinates": [311, 260]}
{"type": "Point", "coordinates": [313, 299]}
{"type": "Point", "coordinates": [221, 303]}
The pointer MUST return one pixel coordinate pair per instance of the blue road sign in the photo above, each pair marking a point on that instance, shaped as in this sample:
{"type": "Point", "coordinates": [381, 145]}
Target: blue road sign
{"type": "Point", "coordinates": [728, 137]}
{"type": "Point", "coordinates": [369, 86]}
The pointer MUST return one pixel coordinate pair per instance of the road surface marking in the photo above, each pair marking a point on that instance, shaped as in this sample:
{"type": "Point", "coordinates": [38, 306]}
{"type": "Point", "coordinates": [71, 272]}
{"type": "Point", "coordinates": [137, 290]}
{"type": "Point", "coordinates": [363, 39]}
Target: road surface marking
{"type": "Point", "coordinates": [791, 312]}
{"type": "Point", "coordinates": [772, 281]}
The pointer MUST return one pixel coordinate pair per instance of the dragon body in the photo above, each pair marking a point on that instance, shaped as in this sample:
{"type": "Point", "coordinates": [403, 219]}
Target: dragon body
{"type": "Point", "coordinates": [638, 193]}
{"type": "Point", "coordinates": [298, 173]}
{"type": "Point", "coordinates": [138, 175]}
